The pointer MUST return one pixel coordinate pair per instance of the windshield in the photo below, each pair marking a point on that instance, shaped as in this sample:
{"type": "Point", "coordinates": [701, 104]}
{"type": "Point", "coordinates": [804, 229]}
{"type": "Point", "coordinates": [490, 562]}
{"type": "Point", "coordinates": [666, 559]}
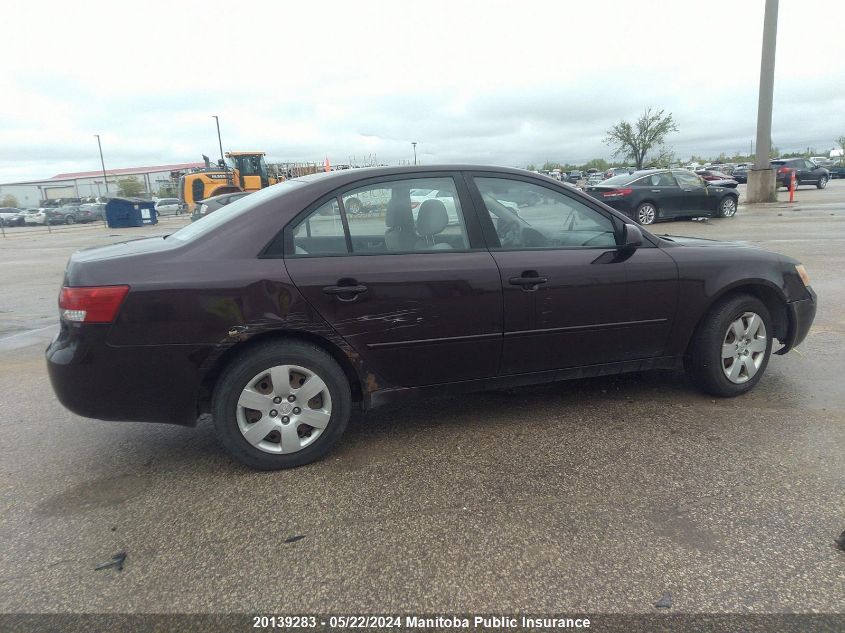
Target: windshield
{"type": "Point", "coordinates": [231, 211]}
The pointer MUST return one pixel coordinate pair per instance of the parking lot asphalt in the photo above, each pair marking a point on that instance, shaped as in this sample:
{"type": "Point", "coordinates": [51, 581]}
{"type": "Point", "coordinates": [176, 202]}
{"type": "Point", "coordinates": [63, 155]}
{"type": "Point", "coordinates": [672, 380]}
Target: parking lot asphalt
{"type": "Point", "coordinates": [588, 496]}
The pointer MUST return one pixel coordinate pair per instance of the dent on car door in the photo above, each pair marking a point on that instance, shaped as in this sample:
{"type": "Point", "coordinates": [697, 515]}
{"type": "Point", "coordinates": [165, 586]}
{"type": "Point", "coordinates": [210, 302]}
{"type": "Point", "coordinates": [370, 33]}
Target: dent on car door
{"type": "Point", "coordinates": [570, 299]}
{"type": "Point", "coordinates": [415, 294]}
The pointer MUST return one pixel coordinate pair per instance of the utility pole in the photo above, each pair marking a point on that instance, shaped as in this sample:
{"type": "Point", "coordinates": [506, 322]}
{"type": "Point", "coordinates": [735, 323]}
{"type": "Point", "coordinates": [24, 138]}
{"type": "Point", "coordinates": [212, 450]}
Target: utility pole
{"type": "Point", "coordinates": [761, 179]}
{"type": "Point", "coordinates": [220, 142]}
{"type": "Point", "coordinates": [103, 165]}
{"type": "Point", "coordinates": [414, 143]}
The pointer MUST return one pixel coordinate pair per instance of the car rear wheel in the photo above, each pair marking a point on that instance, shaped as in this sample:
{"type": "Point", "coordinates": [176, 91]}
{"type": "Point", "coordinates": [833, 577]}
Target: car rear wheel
{"type": "Point", "coordinates": [822, 182]}
{"type": "Point", "coordinates": [281, 405]}
{"type": "Point", "coordinates": [731, 347]}
{"type": "Point", "coordinates": [646, 213]}
{"type": "Point", "coordinates": [70, 219]}
{"type": "Point", "coordinates": [727, 207]}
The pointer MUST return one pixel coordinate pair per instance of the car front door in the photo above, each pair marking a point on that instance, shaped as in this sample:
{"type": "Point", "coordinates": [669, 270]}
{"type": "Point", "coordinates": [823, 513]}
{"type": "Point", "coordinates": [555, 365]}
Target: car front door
{"type": "Point", "coordinates": [412, 290]}
{"type": "Point", "coordinates": [570, 300]}
{"type": "Point", "coordinates": [694, 195]}
{"type": "Point", "coordinates": [809, 172]}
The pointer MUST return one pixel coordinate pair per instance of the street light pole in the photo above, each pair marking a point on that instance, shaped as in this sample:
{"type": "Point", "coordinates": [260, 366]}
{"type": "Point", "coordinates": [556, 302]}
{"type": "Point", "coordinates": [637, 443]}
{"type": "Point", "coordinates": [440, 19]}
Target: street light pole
{"type": "Point", "coordinates": [761, 179]}
{"type": "Point", "coordinates": [103, 164]}
{"type": "Point", "coordinates": [220, 142]}
{"type": "Point", "coordinates": [414, 143]}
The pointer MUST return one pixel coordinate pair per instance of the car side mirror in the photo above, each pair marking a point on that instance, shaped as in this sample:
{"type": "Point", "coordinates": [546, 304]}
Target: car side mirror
{"type": "Point", "coordinates": [632, 237]}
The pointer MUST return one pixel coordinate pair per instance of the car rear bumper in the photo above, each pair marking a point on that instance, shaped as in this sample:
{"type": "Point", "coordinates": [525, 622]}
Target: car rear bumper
{"type": "Point", "coordinates": [801, 315]}
{"type": "Point", "coordinates": [132, 383]}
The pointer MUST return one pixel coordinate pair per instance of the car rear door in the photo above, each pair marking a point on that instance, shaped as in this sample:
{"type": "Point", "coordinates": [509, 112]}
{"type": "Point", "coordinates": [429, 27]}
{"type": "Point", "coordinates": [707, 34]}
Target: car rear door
{"type": "Point", "coordinates": [417, 296]}
{"type": "Point", "coordinates": [569, 300]}
{"type": "Point", "coordinates": [661, 189]}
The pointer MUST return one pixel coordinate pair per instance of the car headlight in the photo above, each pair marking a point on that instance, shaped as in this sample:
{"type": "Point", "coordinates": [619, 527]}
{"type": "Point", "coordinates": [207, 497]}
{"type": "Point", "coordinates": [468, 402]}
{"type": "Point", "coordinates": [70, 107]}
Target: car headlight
{"type": "Point", "coordinates": [802, 272]}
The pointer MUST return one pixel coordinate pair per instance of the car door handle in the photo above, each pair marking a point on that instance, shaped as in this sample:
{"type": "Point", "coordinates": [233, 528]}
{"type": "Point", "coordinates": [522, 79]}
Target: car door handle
{"type": "Point", "coordinates": [528, 282]}
{"type": "Point", "coordinates": [353, 290]}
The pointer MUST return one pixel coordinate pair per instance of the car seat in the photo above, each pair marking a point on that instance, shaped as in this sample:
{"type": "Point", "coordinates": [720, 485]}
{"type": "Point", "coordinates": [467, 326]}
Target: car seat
{"type": "Point", "coordinates": [431, 221]}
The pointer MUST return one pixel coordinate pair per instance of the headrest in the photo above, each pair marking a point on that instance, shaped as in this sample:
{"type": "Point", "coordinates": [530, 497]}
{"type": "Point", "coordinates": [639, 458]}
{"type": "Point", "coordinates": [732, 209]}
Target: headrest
{"type": "Point", "coordinates": [432, 218]}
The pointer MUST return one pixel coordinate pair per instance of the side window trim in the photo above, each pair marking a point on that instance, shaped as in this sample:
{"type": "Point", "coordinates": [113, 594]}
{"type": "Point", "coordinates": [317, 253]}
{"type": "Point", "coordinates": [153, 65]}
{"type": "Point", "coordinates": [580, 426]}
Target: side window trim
{"type": "Point", "coordinates": [489, 231]}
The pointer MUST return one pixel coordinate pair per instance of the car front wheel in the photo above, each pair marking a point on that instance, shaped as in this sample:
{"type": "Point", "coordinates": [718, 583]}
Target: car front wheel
{"type": "Point", "coordinates": [646, 213]}
{"type": "Point", "coordinates": [727, 207]}
{"type": "Point", "coordinates": [70, 220]}
{"type": "Point", "coordinates": [822, 182]}
{"type": "Point", "coordinates": [281, 405]}
{"type": "Point", "coordinates": [731, 347]}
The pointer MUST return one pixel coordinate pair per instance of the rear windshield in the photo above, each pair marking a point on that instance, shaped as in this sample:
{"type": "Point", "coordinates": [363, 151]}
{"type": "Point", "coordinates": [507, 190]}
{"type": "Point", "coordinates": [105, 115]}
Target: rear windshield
{"type": "Point", "coordinates": [231, 211]}
{"type": "Point", "coordinates": [622, 179]}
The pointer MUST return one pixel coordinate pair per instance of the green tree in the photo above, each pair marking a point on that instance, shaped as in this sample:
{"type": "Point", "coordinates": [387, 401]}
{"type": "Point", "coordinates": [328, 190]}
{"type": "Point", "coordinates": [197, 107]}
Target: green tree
{"type": "Point", "coordinates": [129, 186]}
{"type": "Point", "coordinates": [634, 141]}
{"type": "Point", "coordinates": [9, 201]}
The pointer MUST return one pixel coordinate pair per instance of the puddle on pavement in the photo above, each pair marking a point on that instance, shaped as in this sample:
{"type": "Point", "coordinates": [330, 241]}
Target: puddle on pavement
{"type": "Point", "coordinates": [100, 493]}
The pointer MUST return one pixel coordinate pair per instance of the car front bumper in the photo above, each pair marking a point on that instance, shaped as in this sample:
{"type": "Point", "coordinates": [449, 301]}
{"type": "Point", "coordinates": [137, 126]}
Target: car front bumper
{"type": "Point", "coordinates": [801, 315]}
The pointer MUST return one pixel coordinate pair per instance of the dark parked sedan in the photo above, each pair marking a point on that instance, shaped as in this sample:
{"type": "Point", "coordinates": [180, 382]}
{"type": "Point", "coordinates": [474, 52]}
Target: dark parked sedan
{"type": "Point", "coordinates": [279, 313]}
{"type": "Point", "coordinates": [210, 205]}
{"type": "Point", "coordinates": [740, 174]}
{"type": "Point", "coordinates": [648, 196]}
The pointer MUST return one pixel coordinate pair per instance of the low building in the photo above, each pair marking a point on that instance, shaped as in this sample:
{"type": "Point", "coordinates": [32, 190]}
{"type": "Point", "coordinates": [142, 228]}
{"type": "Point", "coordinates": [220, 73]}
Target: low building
{"type": "Point", "coordinates": [88, 184]}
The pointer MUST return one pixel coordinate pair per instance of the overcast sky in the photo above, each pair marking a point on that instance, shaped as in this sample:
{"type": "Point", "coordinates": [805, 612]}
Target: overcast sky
{"type": "Point", "coordinates": [491, 82]}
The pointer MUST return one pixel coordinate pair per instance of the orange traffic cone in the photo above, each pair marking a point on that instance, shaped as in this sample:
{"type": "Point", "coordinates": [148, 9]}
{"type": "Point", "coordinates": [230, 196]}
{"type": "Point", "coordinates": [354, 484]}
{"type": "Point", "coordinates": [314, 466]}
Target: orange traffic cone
{"type": "Point", "coordinates": [792, 185]}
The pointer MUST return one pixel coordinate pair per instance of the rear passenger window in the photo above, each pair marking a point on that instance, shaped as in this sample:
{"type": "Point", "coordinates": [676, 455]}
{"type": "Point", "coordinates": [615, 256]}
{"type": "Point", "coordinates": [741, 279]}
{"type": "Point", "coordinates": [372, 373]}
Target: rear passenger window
{"type": "Point", "coordinates": [321, 233]}
{"type": "Point", "coordinates": [420, 214]}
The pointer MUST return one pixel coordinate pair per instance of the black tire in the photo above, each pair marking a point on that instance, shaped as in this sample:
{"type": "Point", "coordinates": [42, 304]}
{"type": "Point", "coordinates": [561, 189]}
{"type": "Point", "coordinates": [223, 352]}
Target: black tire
{"type": "Point", "coordinates": [727, 207]}
{"type": "Point", "coordinates": [646, 213]}
{"type": "Point", "coordinates": [822, 183]}
{"type": "Point", "coordinates": [69, 219]}
{"type": "Point", "coordinates": [704, 363]}
{"type": "Point", "coordinates": [234, 379]}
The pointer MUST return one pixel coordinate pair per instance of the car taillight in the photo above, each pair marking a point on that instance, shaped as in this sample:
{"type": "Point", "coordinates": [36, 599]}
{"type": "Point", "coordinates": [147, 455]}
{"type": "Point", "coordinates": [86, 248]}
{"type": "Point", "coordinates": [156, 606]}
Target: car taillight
{"type": "Point", "coordinates": [91, 304]}
{"type": "Point", "coordinates": [783, 170]}
{"type": "Point", "coordinates": [617, 193]}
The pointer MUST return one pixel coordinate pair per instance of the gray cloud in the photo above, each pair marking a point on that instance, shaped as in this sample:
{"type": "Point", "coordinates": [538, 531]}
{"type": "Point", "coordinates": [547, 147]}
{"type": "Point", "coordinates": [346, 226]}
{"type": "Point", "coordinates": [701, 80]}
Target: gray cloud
{"type": "Point", "coordinates": [506, 85]}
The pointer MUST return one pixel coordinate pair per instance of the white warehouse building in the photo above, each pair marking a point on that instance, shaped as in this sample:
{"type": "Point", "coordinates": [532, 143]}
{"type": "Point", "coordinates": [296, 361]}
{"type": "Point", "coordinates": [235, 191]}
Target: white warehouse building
{"type": "Point", "coordinates": [87, 184]}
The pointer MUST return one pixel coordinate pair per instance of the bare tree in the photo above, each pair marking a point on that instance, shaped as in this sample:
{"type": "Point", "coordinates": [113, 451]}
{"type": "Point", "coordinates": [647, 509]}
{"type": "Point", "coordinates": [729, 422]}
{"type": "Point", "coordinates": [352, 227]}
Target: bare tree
{"type": "Point", "coordinates": [635, 141]}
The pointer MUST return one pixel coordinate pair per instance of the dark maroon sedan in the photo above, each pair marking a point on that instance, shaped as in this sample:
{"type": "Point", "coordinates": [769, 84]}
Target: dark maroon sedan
{"type": "Point", "coordinates": [281, 312]}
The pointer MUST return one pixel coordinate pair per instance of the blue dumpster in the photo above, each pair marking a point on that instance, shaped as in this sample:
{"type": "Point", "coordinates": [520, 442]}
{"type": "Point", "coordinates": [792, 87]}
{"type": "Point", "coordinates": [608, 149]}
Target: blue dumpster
{"type": "Point", "coordinates": [125, 212]}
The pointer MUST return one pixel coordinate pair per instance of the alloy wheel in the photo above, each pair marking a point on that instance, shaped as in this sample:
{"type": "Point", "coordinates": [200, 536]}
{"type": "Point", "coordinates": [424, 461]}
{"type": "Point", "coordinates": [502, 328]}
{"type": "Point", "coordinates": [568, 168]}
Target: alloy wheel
{"type": "Point", "coordinates": [728, 207]}
{"type": "Point", "coordinates": [646, 213]}
{"type": "Point", "coordinates": [822, 182]}
{"type": "Point", "coordinates": [284, 409]}
{"type": "Point", "coordinates": [744, 348]}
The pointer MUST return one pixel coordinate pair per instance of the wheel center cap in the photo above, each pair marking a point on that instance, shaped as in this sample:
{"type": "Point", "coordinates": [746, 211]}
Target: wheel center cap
{"type": "Point", "coordinates": [285, 408]}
